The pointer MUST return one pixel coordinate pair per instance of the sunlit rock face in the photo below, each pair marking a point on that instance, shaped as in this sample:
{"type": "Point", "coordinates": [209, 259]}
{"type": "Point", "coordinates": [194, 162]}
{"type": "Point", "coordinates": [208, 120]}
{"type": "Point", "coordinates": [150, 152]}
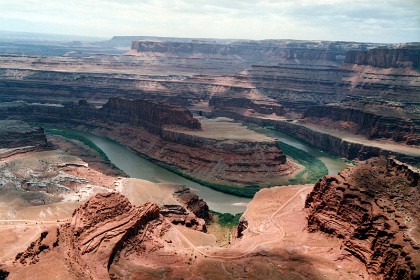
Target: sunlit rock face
{"type": "Point", "coordinates": [373, 209]}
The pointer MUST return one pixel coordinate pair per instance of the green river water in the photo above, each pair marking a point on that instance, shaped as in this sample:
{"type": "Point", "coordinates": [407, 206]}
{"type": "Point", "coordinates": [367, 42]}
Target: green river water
{"type": "Point", "coordinates": [138, 167]}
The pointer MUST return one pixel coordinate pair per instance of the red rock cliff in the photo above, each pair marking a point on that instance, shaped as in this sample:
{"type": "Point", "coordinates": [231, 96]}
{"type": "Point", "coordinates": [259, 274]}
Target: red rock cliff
{"type": "Point", "coordinates": [383, 123]}
{"type": "Point", "coordinates": [152, 115]}
{"type": "Point", "coordinates": [408, 56]}
{"type": "Point", "coordinates": [98, 230]}
{"type": "Point", "coordinates": [373, 209]}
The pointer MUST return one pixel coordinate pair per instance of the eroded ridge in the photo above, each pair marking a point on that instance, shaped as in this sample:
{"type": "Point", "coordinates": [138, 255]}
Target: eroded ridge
{"type": "Point", "coordinates": [95, 234]}
{"type": "Point", "coordinates": [374, 209]}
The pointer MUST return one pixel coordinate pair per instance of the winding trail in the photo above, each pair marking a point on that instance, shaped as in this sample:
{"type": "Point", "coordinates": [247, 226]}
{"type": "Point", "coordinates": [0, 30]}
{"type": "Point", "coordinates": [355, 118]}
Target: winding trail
{"type": "Point", "coordinates": [187, 240]}
{"type": "Point", "coordinates": [250, 250]}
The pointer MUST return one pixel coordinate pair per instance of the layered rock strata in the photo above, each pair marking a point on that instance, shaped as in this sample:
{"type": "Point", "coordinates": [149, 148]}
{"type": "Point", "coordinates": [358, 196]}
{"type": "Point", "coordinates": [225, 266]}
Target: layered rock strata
{"type": "Point", "coordinates": [374, 125]}
{"type": "Point", "coordinates": [98, 230]}
{"type": "Point", "coordinates": [221, 161]}
{"type": "Point", "coordinates": [15, 134]}
{"type": "Point", "coordinates": [270, 51]}
{"type": "Point", "coordinates": [263, 106]}
{"type": "Point", "coordinates": [404, 56]}
{"type": "Point", "coordinates": [342, 145]}
{"type": "Point", "coordinates": [373, 209]}
{"type": "Point", "coordinates": [193, 203]}
{"type": "Point", "coordinates": [151, 115]}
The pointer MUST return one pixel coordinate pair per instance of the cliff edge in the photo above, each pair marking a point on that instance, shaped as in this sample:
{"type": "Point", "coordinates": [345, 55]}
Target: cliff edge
{"type": "Point", "coordinates": [373, 208]}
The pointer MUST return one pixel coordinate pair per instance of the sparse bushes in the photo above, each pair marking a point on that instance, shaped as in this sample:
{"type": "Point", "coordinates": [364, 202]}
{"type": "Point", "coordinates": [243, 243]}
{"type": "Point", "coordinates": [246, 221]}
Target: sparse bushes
{"type": "Point", "coordinates": [227, 219]}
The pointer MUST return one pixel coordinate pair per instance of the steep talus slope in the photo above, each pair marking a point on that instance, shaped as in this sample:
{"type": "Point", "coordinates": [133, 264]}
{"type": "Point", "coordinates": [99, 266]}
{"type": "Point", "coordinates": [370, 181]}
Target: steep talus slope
{"type": "Point", "coordinates": [373, 208]}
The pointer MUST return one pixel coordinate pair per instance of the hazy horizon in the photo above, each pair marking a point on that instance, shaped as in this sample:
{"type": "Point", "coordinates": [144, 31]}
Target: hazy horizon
{"type": "Point", "coordinates": [388, 21]}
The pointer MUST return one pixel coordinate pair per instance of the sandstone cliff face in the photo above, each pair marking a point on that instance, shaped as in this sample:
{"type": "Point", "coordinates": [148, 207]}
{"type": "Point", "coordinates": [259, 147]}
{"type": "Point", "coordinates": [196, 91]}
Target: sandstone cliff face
{"type": "Point", "coordinates": [226, 162]}
{"type": "Point", "coordinates": [407, 56]}
{"type": "Point", "coordinates": [270, 51]}
{"type": "Point", "coordinates": [15, 134]}
{"type": "Point", "coordinates": [324, 141]}
{"type": "Point", "coordinates": [372, 125]}
{"type": "Point", "coordinates": [373, 209]}
{"type": "Point", "coordinates": [299, 87]}
{"type": "Point", "coordinates": [193, 203]}
{"type": "Point", "coordinates": [98, 230]}
{"type": "Point", "coordinates": [149, 114]}
{"type": "Point", "coordinates": [261, 106]}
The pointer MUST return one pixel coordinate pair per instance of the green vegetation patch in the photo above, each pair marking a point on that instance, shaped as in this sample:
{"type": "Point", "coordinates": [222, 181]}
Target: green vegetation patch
{"type": "Point", "coordinates": [227, 219]}
{"type": "Point", "coordinates": [314, 167]}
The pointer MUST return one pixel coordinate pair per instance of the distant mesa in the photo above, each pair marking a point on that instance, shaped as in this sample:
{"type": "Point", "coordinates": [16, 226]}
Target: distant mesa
{"type": "Point", "coordinates": [398, 57]}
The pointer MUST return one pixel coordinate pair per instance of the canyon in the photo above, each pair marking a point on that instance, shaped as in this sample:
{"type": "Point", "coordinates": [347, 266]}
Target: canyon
{"type": "Point", "coordinates": [284, 226]}
{"type": "Point", "coordinates": [166, 135]}
{"type": "Point", "coordinates": [190, 105]}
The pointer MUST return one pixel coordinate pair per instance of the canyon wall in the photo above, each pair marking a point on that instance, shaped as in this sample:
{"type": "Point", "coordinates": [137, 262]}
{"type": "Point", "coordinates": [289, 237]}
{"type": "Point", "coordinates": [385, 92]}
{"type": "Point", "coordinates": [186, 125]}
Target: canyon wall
{"type": "Point", "coordinates": [333, 144]}
{"type": "Point", "coordinates": [263, 106]}
{"type": "Point", "coordinates": [270, 51]}
{"type": "Point", "coordinates": [149, 114]}
{"type": "Point", "coordinates": [373, 125]}
{"type": "Point", "coordinates": [373, 209]}
{"type": "Point", "coordinates": [406, 56]}
{"type": "Point", "coordinates": [15, 134]}
{"type": "Point", "coordinates": [218, 161]}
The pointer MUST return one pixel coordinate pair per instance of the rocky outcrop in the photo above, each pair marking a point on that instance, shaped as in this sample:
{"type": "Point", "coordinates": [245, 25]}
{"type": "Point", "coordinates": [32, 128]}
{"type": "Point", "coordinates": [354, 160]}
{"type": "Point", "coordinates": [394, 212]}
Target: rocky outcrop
{"type": "Point", "coordinates": [47, 241]}
{"type": "Point", "coordinates": [149, 114]}
{"type": "Point", "coordinates": [15, 134]}
{"type": "Point", "coordinates": [189, 210]}
{"type": "Point", "coordinates": [373, 209]}
{"type": "Point", "coordinates": [178, 215]}
{"type": "Point", "coordinates": [100, 227]}
{"type": "Point", "coordinates": [404, 56]}
{"type": "Point", "coordinates": [193, 202]}
{"type": "Point", "coordinates": [373, 125]}
{"type": "Point", "coordinates": [264, 106]}
{"type": "Point", "coordinates": [98, 230]}
{"type": "Point", "coordinates": [412, 174]}
{"type": "Point", "coordinates": [3, 274]}
{"type": "Point", "coordinates": [242, 226]}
